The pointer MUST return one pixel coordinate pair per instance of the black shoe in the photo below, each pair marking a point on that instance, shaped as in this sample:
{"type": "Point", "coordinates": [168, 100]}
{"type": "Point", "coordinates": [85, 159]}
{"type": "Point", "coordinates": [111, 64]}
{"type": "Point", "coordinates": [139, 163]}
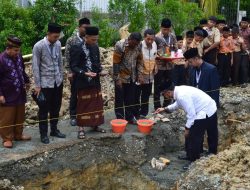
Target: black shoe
{"type": "Point", "coordinates": [73, 122]}
{"type": "Point", "coordinates": [57, 134]}
{"type": "Point", "coordinates": [183, 157]}
{"type": "Point", "coordinates": [45, 139]}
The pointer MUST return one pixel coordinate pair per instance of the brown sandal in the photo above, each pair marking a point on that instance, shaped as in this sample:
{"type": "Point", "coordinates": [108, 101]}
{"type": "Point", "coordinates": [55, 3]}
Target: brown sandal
{"type": "Point", "coordinates": [81, 134]}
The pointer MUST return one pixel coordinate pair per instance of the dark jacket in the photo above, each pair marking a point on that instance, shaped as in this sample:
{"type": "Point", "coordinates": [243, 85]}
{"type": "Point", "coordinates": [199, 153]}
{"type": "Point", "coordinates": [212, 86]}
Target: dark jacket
{"type": "Point", "coordinates": [12, 80]}
{"type": "Point", "coordinates": [78, 61]}
{"type": "Point", "coordinates": [209, 80]}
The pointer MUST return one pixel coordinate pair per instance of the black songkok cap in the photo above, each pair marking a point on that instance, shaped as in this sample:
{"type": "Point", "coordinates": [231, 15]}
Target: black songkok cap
{"type": "Point", "coordinates": [135, 36]}
{"type": "Point", "coordinates": [213, 18]}
{"type": "Point", "coordinates": [193, 52]}
{"type": "Point", "coordinates": [190, 34]}
{"type": "Point", "coordinates": [84, 21]}
{"type": "Point", "coordinates": [54, 28]}
{"type": "Point", "coordinates": [203, 21]}
{"type": "Point", "coordinates": [166, 23]}
{"type": "Point", "coordinates": [13, 41]}
{"type": "Point", "coordinates": [226, 29]}
{"type": "Point", "coordinates": [221, 22]}
{"type": "Point", "coordinates": [165, 86]}
{"type": "Point", "coordinates": [92, 31]}
{"type": "Point", "coordinates": [245, 19]}
{"type": "Point", "coordinates": [178, 38]}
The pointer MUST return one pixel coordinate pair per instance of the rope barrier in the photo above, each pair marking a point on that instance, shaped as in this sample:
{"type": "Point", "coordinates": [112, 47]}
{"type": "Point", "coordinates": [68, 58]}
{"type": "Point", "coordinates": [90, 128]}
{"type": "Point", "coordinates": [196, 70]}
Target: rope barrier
{"type": "Point", "coordinates": [123, 107]}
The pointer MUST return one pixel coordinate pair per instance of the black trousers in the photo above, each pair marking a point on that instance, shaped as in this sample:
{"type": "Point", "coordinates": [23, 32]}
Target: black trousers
{"type": "Point", "coordinates": [162, 77]}
{"type": "Point", "coordinates": [125, 101]}
{"type": "Point", "coordinates": [73, 99]}
{"type": "Point", "coordinates": [244, 69]}
{"type": "Point", "coordinates": [52, 107]}
{"type": "Point", "coordinates": [179, 75]}
{"type": "Point", "coordinates": [142, 95]}
{"type": "Point", "coordinates": [194, 142]}
{"type": "Point", "coordinates": [210, 57]}
{"type": "Point", "coordinates": [224, 68]}
{"type": "Point", "coordinates": [235, 69]}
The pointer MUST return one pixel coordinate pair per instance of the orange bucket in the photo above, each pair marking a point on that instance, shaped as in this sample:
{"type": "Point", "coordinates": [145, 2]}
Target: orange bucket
{"type": "Point", "coordinates": [145, 125]}
{"type": "Point", "coordinates": [118, 125]}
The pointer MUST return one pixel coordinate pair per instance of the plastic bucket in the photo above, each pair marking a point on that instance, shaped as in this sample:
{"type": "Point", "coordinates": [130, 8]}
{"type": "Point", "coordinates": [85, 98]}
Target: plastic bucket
{"type": "Point", "coordinates": [145, 125]}
{"type": "Point", "coordinates": [118, 125]}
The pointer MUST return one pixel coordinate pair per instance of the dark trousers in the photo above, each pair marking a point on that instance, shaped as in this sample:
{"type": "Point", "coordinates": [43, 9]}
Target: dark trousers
{"type": "Point", "coordinates": [162, 77]}
{"type": "Point", "coordinates": [210, 57]}
{"type": "Point", "coordinates": [73, 99]}
{"type": "Point", "coordinates": [194, 142]}
{"type": "Point", "coordinates": [125, 101]}
{"type": "Point", "coordinates": [52, 107]}
{"type": "Point", "coordinates": [142, 95]}
{"type": "Point", "coordinates": [244, 69]}
{"type": "Point", "coordinates": [235, 70]}
{"type": "Point", "coordinates": [179, 75]}
{"type": "Point", "coordinates": [224, 68]}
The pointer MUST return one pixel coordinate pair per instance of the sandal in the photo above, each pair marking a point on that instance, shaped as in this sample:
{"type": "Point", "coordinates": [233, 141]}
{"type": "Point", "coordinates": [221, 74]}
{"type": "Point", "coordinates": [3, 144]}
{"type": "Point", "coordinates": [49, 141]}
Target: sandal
{"type": "Point", "coordinates": [98, 129]}
{"type": "Point", "coordinates": [81, 134]}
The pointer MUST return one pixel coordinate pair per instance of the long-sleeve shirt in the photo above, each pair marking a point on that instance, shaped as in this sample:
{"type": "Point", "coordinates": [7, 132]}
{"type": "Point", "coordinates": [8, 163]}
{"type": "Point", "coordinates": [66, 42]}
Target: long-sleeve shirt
{"type": "Point", "coordinates": [213, 36]}
{"type": "Point", "coordinates": [126, 61]}
{"type": "Point", "coordinates": [47, 64]}
{"type": "Point", "coordinates": [226, 45]}
{"type": "Point", "coordinates": [147, 69]}
{"type": "Point", "coordinates": [12, 80]}
{"type": "Point", "coordinates": [245, 34]}
{"type": "Point", "coordinates": [196, 103]}
{"type": "Point", "coordinates": [73, 40]}
{"type": "Point", "coordinates": [163, 42]}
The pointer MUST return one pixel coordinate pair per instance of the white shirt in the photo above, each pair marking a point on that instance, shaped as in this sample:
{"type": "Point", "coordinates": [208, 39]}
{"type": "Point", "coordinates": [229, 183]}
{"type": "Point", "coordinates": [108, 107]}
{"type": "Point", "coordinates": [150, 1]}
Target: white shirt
{"type": "Point", "coordinates": [196, 103]}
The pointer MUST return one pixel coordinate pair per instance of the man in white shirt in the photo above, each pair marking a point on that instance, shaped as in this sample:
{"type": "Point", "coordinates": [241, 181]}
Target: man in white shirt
{"type": "Point", "coordinates": [201, 113]}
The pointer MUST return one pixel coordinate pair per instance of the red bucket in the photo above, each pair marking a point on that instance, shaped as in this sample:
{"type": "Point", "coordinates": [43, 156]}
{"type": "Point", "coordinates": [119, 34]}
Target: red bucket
{"type": "Point", "coordinates": [118, 125]}
{"type": "Point", "coordinates": [145, 126]}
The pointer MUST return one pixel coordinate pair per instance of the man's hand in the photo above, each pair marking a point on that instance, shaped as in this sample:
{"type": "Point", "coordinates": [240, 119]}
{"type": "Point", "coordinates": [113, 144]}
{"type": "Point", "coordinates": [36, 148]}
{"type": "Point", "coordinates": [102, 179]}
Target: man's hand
{"type": "Point", "coordinates": [103, 73]}
{"type": "Point", "coordinates": [70, 77]}
{"type": "Point", "coordinates": [90, 74]}
{"type": "Point", "coordinates": [159, 110]}
{"type": "Point", "coordinates": [37, 91]}
{"type": "Point", "coordinates": [186, 133]}
{"type": "Point", "coordinates": [118, 83]}
{"type": "Point", "coordinates": [2, 100]}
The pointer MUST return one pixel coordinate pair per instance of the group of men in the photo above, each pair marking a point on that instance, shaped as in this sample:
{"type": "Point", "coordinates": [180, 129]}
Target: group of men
{"type": "Point", "coordinates": [213, 54]}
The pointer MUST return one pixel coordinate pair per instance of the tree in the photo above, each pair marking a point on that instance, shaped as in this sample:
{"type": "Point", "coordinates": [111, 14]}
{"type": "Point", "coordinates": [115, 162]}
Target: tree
{"type": "Point", "coordinates": [16, 21]}
{"type": "Point", "coordinates": [62, 12]}
{"type": "Point", "coordinates": [126, 11]}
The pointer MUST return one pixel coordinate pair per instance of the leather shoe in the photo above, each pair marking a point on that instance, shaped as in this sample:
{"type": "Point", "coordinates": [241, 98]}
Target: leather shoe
{"type": "Point", "coordinates": [73, 122]}
{"type": "Point", "coordinates": [8, 144]}
{"type": "Point", "coordinates": [57, 134]}
{"type": "Point", "coordinates": [45, 140]}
